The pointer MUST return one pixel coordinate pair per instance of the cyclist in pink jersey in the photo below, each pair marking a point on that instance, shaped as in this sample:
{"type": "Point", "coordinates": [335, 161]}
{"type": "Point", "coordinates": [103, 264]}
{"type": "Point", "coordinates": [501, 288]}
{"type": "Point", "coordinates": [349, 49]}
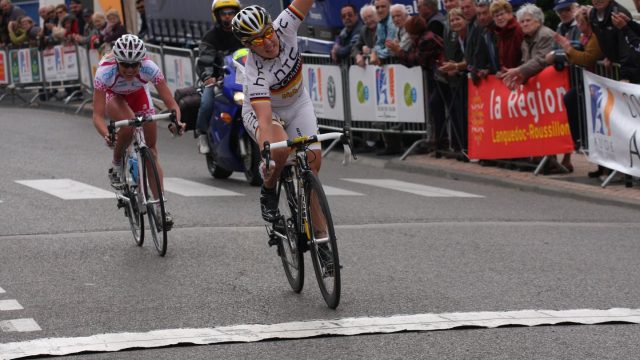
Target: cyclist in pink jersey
{"type": "Point", "coordinates": [121, 91]}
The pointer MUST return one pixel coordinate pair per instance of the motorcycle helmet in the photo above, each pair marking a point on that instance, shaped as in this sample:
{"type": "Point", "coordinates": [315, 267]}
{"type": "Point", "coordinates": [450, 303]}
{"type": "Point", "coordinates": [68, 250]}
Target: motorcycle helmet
{"type": "Point", "coordinates": [218, 5]}
{"type": "Point", "coordinates": [250, 22]}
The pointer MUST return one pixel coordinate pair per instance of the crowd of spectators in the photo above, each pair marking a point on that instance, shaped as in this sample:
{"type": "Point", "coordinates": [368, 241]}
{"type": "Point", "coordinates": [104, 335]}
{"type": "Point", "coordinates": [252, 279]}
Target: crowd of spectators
{"type": "Point", "coordinates": [63, 25]}
{"type": "Point", "coordinates": [475, 38]}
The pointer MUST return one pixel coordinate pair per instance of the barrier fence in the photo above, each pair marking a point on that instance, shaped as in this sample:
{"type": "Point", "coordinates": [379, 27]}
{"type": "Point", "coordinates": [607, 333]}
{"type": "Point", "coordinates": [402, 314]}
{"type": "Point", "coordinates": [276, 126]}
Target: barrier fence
{"type": "Point", "coordinates": [388, 99]}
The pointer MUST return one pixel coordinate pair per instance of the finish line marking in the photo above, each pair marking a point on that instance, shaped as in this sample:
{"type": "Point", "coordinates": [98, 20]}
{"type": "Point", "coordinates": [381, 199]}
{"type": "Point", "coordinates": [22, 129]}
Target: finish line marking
{"type": "Point", "coordinates": [306, 329]}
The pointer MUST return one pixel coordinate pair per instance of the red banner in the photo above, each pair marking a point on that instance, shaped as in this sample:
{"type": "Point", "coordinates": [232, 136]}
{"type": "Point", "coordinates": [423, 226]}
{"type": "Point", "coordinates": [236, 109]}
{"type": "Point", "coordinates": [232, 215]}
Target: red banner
{"type": "Point", "coordinates": [529, 121]}
{"type": "Point", "coordinates": [3, 68]}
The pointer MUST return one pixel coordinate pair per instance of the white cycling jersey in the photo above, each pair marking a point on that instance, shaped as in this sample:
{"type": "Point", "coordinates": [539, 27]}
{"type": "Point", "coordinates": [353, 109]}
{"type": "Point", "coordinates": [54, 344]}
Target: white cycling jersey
{"type": "Point", "coordinates": [279, 81]}
{"type": "Point", "coordinates": [108, 77]}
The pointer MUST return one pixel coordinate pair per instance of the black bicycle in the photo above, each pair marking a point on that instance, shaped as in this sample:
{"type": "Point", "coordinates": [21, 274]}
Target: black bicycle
{"type": "Point", "coordinates": [305, 221]}
{"type": "Point", "coordinates": [135, 194]}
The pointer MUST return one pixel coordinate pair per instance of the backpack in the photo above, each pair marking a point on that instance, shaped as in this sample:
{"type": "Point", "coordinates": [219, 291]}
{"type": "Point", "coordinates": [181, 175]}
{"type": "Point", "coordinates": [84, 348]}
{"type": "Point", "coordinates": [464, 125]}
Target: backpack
{"type": "Point", "coordinates": [188, 100]}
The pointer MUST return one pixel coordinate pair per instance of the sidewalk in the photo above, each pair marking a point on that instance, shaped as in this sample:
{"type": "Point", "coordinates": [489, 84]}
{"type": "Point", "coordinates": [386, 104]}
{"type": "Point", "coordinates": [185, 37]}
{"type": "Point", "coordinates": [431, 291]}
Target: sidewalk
{"type": "Point", "coordinates": [575, 185]}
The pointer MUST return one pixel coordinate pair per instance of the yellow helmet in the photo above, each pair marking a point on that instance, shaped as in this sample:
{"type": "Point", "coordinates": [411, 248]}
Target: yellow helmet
{"type": "Point", "coordinates": [219, 4]}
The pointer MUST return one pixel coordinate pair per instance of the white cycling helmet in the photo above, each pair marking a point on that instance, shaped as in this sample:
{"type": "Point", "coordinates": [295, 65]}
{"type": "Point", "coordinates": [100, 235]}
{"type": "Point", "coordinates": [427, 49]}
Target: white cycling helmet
{"type": "Point", "coordinates": [129, 48]}
{"type": "Point", "coordinates": [250, 22]}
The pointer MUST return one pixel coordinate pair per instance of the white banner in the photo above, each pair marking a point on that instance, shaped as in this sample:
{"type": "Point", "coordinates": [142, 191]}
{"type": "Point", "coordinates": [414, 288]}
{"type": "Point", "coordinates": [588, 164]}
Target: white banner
{"type": "Point", "coordinates": [154, 53]}
{"type": "Point", "coordinates": [613, 123]}
{"type": "Point", "coordinates": [85, 68]}
{"type": "Point", "coordinates": [324, 84]}
{"type": "Point", "coordinates": [391, 93]}
{"type": "Point", "coordinates": [60, 63]}
{"type": "Point", "coordinates": [178, 71]}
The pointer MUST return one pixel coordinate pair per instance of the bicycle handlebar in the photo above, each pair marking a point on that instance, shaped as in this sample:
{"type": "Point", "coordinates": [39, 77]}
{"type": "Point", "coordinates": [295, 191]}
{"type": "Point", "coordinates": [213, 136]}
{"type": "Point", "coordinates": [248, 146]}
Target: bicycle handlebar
{"type": "Point", "coordinates": [303, 141]}
{"type": "Point", "coordinates": [141, 120]}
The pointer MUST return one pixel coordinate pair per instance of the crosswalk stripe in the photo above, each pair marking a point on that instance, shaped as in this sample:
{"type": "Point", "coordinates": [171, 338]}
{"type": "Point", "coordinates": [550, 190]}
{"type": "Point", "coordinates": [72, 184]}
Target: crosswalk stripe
{"type": "Point", "coordinates": [333, 191]}
{"type": "Point", "coordinates": [418, 189]}
{"type": "Point", "coordinates": [67, 189]}
{"type": "Point", "coordinates": [10, 304]}
{"type": "Point", "coordinates": [18, 325]}
{"type": "Point", "coordinates": [191, 188]}
{"type": "Point", "coordinates": [307, 329]}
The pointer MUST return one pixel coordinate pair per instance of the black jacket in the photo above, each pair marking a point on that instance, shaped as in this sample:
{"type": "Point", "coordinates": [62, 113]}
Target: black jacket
{"type": "Point", "coordinates": [217, 43]}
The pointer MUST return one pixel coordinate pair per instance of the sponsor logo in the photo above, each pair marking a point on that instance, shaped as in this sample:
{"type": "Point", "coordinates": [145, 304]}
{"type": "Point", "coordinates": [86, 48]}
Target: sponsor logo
{"type": "Point", "coordinates": [363, 92]}
{"type": "Point", "coordinates": [602, 101]}
{"type": "Point", "coordinates": [331, 92]}
{"type": "Point", "coordinates": [385, 81]}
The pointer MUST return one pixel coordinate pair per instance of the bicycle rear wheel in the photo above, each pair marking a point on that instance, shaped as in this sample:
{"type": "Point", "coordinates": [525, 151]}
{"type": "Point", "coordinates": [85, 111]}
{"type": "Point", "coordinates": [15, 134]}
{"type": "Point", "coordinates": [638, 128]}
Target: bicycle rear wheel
{"type": "Point", "coordinates": [288, 247]}
{"type": "Point", "coordinates": [324, 249]}
{"type": "Point", "coordinates": [131, 210]}
{"type": "Point", "coordinates": [155, 208]}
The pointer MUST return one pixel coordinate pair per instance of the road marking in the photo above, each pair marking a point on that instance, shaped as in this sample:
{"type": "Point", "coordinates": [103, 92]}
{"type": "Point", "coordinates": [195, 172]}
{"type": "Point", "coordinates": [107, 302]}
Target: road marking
{"type": "Point", "coordinates": [2, 291]}
{"type": "Point", "coordinates": [191, 188]}
{"type": "Point", "coordinates": [418, 189]}
{"type": "Point", "coordinates": [18, 325]}
{"type": "Point", "coordinates": [334, 191]}
{"type": "Point", "coordinates": [68, 189]}
{"type": "Point", "coordinates": [306, 329]}
{"type": "Point", "coordinates": [11, 304]}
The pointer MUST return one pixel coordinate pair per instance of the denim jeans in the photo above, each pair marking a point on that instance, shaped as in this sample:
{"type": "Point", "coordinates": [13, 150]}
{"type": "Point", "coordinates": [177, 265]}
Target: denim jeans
{"type": "Point", "coordinates": [206, 110]}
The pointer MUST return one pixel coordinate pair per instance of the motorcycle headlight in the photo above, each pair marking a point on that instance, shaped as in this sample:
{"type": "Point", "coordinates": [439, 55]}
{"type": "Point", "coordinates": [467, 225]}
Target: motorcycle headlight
{"type": "Point", "coordinates": [238, 97]}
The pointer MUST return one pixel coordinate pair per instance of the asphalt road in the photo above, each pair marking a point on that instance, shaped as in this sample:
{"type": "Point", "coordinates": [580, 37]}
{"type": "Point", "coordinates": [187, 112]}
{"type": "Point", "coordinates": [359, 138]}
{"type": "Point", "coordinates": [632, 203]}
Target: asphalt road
{"type": "Point", "coordinates": [74, 269]}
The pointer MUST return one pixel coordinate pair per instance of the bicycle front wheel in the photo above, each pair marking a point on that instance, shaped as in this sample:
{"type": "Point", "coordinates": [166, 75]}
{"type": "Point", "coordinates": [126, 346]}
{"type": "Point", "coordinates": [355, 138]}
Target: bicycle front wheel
{"type": "Point", "coordinates": [324, 249]}
{"type": "Point", "coordinates": [156, 212]}
{"type": "Point", "coordinates": [131, 209]}
{"type": "Point", "coordinates": [289, 245]}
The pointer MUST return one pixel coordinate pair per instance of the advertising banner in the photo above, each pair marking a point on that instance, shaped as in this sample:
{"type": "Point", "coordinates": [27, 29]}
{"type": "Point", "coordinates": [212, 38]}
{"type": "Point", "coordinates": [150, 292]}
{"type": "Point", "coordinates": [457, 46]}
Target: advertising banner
{"type": "Point", "coordinates": [178, 71]}
{"type": "Point", "coordinates": [25, 66]}
{"type": "Point", "coordinates": [154, 53]}
{"type": "Point", "coordinates": [613, 123]}
{"type": "Point", "coordinates": [392, 93]}
{"type": "Point", "coordinates": [85, 69]}
{"type": "Point", "coordinates": [324, 84]}
{"type": "Point", "coordinates": [60, 63]}
{"type": "Point", "coordinates": [4, 67]}
{"type": "Point", "coordinates": [529, 121]}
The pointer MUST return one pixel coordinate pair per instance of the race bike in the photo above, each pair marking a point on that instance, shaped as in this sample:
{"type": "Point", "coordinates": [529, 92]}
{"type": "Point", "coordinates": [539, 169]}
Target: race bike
{"type": "Point", "coordinates": [231, 147]}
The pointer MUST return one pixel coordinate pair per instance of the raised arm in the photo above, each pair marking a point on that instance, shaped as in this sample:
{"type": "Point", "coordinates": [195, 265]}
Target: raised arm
{"type": "Point", "coordinates": [303, 6]}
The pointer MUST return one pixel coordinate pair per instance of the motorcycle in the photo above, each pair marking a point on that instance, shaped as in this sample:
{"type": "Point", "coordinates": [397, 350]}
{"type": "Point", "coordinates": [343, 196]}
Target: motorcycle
{"type": "Point", "coordinates": [231, 147]}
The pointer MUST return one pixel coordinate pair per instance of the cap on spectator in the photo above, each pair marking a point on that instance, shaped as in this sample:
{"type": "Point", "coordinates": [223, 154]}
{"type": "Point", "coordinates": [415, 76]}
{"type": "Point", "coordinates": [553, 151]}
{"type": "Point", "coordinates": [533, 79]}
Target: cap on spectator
{"type": "Point", "coordinates": [562, 4]}
{"type": "Point", "coordinates": [87, 12]}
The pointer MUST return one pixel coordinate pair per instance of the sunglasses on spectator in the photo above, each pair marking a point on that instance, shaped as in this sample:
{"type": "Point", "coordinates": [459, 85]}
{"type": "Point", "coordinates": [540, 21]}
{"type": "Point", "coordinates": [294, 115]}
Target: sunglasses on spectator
{"type": "Point", "coordinates": [227, 12]}
{"type": "Point", "coordinates": [128, 65]}
{"type": "Point", "coordinates": [268, 34]}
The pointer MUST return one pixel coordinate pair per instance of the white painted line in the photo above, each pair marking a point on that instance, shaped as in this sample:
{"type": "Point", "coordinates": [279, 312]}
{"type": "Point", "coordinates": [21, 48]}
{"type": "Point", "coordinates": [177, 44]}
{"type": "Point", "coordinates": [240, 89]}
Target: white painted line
{"type": "Point", "coordinates": [191, 188]}
{"type": "Point", "coordinates": [305, 329]}
{"type": "Point", "coordinates": [18, 325]}
{"type": "Point", "coordinates": [68, 189]}
{"type": "Point", "coordinates": [2, 291]}
{"type": "Point", "coordinates": [334, 191]}
{"type": "Point", "coordinates": [238, 176]}
{"type": "Point", "coordinates": [11, 304]}
{"type": "Point", "coordinates": [418, 189]}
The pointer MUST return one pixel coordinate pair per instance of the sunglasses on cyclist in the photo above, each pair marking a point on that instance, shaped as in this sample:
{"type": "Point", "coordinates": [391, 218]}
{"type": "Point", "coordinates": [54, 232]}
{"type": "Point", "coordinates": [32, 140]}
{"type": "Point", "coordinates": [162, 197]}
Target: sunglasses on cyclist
{"type": "Point", "coordinates": [128, 65]}
{"type": "Point", "coordinates": [227, 12]}
{"type": "Point", "coordinates": [268, 34]}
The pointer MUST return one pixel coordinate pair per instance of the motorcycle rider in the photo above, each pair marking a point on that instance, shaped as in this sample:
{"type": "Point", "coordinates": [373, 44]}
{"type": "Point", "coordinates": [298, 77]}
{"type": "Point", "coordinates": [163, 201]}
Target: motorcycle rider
{"type": "Point", "coordinates": [217, 42]}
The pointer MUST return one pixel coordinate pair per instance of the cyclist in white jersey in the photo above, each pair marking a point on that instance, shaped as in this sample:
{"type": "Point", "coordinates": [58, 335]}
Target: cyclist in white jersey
{"type": "Point", "coordinates": [121, 91]}
{"type": "Point", "coordinates": [277, 106]}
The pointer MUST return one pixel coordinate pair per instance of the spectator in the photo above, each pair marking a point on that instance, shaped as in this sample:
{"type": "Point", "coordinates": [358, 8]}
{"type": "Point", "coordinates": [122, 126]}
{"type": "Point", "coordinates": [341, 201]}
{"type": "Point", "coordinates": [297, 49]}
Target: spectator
{"type": "Point", "coordinates": [348, 36]}
{"type": "Point", "coordinates": [385, 30]}
{"type": "Point", "coordinates": [144, 30]}
{"type": "Point", "coordinates": [367, 36]}
{"type": "Point", "coordinates": [538, 42]}
{"type": "Point", "coordinates": [450, 4]}
{"type": "Point", "coordinates": [99, 23]}
{"type": "Point", "coordinates": [509, 35]}
{"type": "Point", "coordinates": [454, 68]}
{"type": "Point", "coordinates": [566, 12]}
{"type": "Point", "coordinates": [587, 59]}
{"type": "Point", "coordinates": [77, 11]}
{"type": "Point", "coordinates": [23, 33]}
{"type": "Point", "coordinates": [402, 41]}
{"type": "Point", "coordinates": [485, 24]}
{"type": "Point", "coordinates": [475, 49]}
{"type": "Point", "coordinates": [10, 13]}
{"type": "Point", "coordinates": [114, 29]}
{"type": "Point", "coordinates": [428, 10]}
{"type": "Point", "coordinates": [89, 29]}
